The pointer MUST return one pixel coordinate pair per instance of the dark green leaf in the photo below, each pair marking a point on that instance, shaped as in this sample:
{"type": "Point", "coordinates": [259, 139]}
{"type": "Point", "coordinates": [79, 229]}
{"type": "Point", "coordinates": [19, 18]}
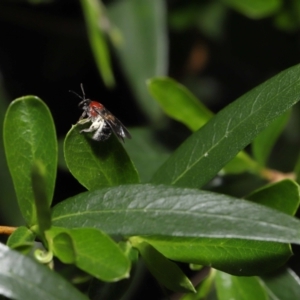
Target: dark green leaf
{"type": "Point", "coordinates": [255, 8]}
{"type": "Point", "coordinates": [97, 164]}
{"type": "Point", "coordinates": [165, 271]}
{"type": "Point", "coordinates": [39, 187]}
{"type": "Point", "coordinates": [146, 152]}
{"type": "Point", "coordinates": [179, 103]}
{"type": "Point", "coordinates": [146, 209]}
{"type": "Point", "coordinates": [21, 239]}
{"type": "Point", "coordinates": [283, 285]}
{"type": "Point", "coordinates": [143, 53]}
{"type": "Point", "coordinates": [29, 136]}
{"type": "Point", "coordinates": [264, 142]}
{"type": "Point", "coordinates": [233, 256]}
{"type": "Point", "coordinates": [22, 277]}
{"type": "Point", "coordinates": [98, 255]}
{"type": "Point", "coordinates": [283, 196]}
{"type": "Point", "coordinates": [97, 22]}
{"type": "Point", "coordinates": [204, 153]}
{"type": "Point", "coordinates": [242, 288]}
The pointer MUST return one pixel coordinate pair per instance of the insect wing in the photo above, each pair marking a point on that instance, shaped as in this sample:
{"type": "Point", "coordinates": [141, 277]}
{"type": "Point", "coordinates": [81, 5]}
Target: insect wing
{"type": "Point", "coordinates": [115, 124]}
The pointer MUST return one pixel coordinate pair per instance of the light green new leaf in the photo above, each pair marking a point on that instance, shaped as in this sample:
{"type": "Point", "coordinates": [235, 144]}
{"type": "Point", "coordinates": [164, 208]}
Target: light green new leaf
{"type": "Point", "coordinates": [205, 152]}
{"type": "Point", "coordinates": [165, 271]}
{"type": "Point", "coordinates": [242, 288]}
{"type": "Point", "coordinates": [264, 142]}
{"type": "Point", "coordinates": [146, 209]}
{"type": "Point", "coordinates": [21, 239]}
{"type": "Point", "coordinates": [143, 53]}
{"type": "Point", "coordinates": [22, 277]}
{"type": "Point", "coordinates": [178, 102]}
{"type": "Point", "coordinates": [95, 164]}
{"type": "Point", "coordinates": [29, 136]}
{"type": "Point", "coordinates": [98, 255]}
{"type": "Point", "coordinates": [96, 22]}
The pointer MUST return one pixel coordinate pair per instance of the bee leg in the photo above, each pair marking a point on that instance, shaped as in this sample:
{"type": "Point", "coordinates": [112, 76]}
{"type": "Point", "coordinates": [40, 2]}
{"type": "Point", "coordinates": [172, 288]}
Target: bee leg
{"type": "Point", "coordinates": [83, 121]}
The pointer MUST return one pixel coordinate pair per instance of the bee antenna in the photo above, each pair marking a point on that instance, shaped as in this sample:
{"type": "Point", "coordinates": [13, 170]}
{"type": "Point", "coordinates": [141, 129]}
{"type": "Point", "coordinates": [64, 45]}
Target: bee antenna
{"type": "Point", "coordinates": [82, 89]}
{"type": "Point", "coordinates": [76, 94]}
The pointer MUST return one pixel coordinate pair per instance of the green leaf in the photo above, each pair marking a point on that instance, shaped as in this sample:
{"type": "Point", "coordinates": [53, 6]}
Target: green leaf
{"type": "Point", "coordinates": [264, 142]}
{"type": "Point", "coordinates": [97, 22]}
{"type": "Point", "coordinates": [283, 196]}
{"type": "Point", "coordinates": [165, 271]}
{"type": "Point", "coordinates": [283, 285]}
{"type": "Point", "coordinates": [144, 52]}
{"type": "Point", "coordinates": [233, 256]}
{"type": "Point", "coordinates": [21, 239]}
{"type": "Point", "coordinates": [146, 152]}
{"type": "Point", "coordinates": [179, 103]}
{"type": "Point", "coordinates": [21, 275]}
{"type": "Point", "coordinates": [29, 136]}
{"type": "Point", "coordinates": [255, 8]}
{"type": "Point", "coordinates": [39, 186]}
{"type": "Point", "coordinates": [96, 164]}
{"type": "Point", "coordinates": [242, 288]}
{"type": "Point", "coordinates": [98, 255]}
{"type": "Point", "coordinates": [146, 209]}
{"type": "Point", "coordinates": [63, 248]}
{"type": "Point", "coordinates": [205, 152]}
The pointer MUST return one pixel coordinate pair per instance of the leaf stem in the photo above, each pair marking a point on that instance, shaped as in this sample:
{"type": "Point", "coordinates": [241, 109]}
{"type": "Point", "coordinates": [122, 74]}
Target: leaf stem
{"type": "Point", "coordinates": [275, 176]}
{"type": "Point", "coordinates": [7, 230]}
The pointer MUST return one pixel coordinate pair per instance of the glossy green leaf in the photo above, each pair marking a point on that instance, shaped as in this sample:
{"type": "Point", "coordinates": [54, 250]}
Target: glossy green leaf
{"type": "Point", "coordinates": [96, 164]}
{"type": "Point", "coordinates": [143, 53]}
{"type": "Point", "coordinates": [283, 196]}
{"type": "Point", "coordinates": [146, 152]}
{"type": "Point", "coordinates": [264, 142]}
{"type": "Point", "coordinates": [255, 8]}
{"type": "Point", "coordinates": [146, 209]}
{"type": "Point", "coordinates": [21, 239]}
{"type": "Point", "coordinates": [242, 288]}
{"type": "Point", "coordinates": [10, 211]}
{"type": "Point", "coordinates": [98, 255]}
{"type": "Point", "coordinates": [165, 271]}
{"type": "Point", "coordinates": [97, 23]}
{"type": "Point", "coordinates": [29, 136]}
{"type": "Point", "coordinates": [282, 285]}
{"type": "Point", "coordinates": [205, 152]}
{"type": "Point", "coordinates": [22, 277]}
{"type": "Point", "coordinates": [233, 256]}
{"type": "Point", "coordinates": [178, 102]}
{"type": "Point", "coordinates": [39, 187]}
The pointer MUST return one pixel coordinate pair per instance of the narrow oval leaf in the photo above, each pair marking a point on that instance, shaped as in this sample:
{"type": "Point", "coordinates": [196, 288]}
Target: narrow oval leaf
{"type": "Point", "coordinates": [242, 288]}
{"type": "Point", "coordinates": [264, 142]}
{"type": "Point", "coordinates": [233, 256]}
{"type": "Point", "coordinates": [282, 285]}
{"type": "Point", "coordinates": [63, 248]}
{"type": "Point", "coordinates": [206, 151]}
{"type": "Point", "coordinates": [178, 102]}
{"type": "Point", "coordinates": [21, 275]}
{"type": "Point", "coordinates": [146, 209]}
{"type": "Point", "coordinates": [97, 164]}
{"type": "Point", "coordinates": [29, 135]}
{"type": "Point", "coordinates": [97, 254]}
{"type": "Point", "coordinates": [143, 54]}
{"type": "Point", "coordinates": [96, 22]}
{"type": "Point", "coordinates": [165, 271]}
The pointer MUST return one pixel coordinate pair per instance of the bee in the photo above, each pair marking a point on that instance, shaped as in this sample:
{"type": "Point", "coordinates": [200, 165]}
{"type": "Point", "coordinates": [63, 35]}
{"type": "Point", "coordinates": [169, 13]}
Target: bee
{"type": "Point", "coordinates": [103, 121]}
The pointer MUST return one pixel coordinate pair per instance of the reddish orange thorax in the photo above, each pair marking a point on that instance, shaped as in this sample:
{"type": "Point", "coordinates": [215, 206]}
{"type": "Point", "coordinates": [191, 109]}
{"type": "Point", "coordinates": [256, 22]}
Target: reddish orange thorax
{"type": "Point", "coordinates": [94, 106]}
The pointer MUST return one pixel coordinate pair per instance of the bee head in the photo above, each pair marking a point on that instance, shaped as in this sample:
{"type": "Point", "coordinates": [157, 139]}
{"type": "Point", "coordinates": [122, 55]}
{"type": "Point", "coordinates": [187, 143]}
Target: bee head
{"type": "Point", "coordinates": [85, 102]}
